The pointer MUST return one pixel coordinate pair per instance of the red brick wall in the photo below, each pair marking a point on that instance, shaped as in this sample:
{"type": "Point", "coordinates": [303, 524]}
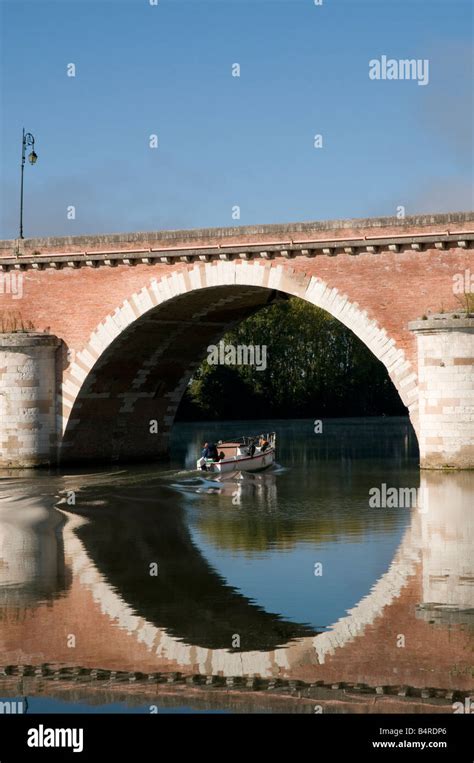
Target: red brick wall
{"type": "Point", "coordinates": [391, 287]}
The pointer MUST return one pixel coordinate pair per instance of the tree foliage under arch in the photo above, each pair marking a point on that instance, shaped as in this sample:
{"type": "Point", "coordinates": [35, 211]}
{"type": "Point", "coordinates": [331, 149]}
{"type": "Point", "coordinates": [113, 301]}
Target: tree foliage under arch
{"type": "Point", "coordinates": [315, 367]}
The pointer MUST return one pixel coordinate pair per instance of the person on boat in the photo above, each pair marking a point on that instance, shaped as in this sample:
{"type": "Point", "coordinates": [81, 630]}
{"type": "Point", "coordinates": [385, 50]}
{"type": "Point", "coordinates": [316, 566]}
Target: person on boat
{"type": "Point", "coordinates": [263, 443]}
{"type": "Point", "coordinates": [210, 451]}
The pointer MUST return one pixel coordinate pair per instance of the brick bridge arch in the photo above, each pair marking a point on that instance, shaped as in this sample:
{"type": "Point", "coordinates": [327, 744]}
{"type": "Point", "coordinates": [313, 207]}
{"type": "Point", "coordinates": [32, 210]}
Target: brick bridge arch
{"type": "Point", "coordinates": [184, 312]}
{"type": "Point", "coordinates": [121, 321]}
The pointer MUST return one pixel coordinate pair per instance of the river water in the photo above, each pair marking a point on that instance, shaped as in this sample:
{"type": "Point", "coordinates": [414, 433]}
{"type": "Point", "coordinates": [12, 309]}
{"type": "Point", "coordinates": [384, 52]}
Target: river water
{"type": "Point", "coordinates": [118, 585]}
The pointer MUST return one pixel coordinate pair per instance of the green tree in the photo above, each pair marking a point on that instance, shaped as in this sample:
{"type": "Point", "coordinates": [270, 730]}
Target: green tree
{"type": "Point", "coordinates": [315, 366]}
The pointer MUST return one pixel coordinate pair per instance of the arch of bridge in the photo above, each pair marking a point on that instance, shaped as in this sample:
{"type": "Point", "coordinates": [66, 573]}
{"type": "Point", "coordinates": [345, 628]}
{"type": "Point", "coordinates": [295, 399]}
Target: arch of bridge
{"type": "Point", "coordinates": [238, 278]}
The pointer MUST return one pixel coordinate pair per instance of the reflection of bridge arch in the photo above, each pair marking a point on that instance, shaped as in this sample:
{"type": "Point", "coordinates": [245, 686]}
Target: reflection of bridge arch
{"type": "Point", "coordinates": [184, 312]}
{"type": "Point", "coordinates": [382, 594]}
{"type": "Point", "coordinates": [300, 649]}
{"type": "Point", "coordinates": [246, 663]}
{"type": "Point", "coordinates": [187, 599]}
{"type": "Point", "coordinates": [414, 592]}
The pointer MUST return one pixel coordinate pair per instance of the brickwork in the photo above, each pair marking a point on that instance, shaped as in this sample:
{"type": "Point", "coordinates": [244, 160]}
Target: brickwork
{"type": "Point", "coordinates": [135, 312]}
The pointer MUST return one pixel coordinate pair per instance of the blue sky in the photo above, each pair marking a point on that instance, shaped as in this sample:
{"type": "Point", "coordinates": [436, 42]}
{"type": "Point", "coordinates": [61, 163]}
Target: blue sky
{"type": "Point", "coordinates": [223, 140]}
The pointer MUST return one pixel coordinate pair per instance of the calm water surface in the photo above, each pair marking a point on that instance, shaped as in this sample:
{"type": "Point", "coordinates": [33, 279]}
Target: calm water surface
{"type": "Point", "coordinates": [288, 573]}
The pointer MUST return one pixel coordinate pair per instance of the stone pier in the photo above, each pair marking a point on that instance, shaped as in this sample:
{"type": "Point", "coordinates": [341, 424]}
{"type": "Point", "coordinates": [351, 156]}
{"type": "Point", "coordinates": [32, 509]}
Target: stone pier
{"type": "Point", "coordinates": [445, 346]}
{"type": "Point", "coordinates": [28, 433]}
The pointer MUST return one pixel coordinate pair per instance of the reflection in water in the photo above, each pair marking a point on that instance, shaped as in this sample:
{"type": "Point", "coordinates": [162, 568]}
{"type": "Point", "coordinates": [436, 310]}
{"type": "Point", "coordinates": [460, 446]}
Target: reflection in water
{"type": "Point", "coordinates": [236, 593]}
{"type": "Point", "coordinates": [261, 488]}
{"type": "Point", "coordinates": [187, 597]}
{"type": "Point", "coordinates": [447, 547]}
{"type": "Point", "coordinates": [32, 565]}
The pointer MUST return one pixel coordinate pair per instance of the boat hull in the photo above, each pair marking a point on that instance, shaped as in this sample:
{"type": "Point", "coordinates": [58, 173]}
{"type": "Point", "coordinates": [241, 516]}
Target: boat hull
{"type": "Point", "coordinates": [256, 463]}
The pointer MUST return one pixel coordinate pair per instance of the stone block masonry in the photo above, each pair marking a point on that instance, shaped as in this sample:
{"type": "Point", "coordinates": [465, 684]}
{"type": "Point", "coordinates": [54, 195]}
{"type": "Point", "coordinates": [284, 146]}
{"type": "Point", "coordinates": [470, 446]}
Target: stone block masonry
{"type": "Point", "coordinates": [28, 399]}
{"type": "Point", "coordinates": [446, 391]}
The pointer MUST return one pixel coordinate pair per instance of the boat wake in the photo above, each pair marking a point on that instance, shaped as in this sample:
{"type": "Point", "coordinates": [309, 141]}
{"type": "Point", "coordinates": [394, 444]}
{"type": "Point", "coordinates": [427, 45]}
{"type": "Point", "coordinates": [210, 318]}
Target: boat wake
{"type": "Point", "coordinates": [229, 483]}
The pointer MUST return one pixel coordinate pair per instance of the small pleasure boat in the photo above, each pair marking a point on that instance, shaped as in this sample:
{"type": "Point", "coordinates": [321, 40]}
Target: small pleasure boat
{"type": "Point", "coordinates": [247, 454]}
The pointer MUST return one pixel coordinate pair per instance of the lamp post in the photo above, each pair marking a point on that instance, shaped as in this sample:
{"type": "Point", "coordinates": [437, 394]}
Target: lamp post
{"type": "Point", "coordinates": [27, 140]}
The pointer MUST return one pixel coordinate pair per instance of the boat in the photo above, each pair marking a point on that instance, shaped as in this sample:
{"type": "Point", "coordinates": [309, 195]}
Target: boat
{"type": "Point", "coordinates": [246, 454]}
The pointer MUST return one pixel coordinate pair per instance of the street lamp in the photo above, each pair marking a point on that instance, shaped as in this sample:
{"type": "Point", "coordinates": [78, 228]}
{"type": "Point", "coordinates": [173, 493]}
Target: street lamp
{"type": "Point", "coordinates": [27, 140]}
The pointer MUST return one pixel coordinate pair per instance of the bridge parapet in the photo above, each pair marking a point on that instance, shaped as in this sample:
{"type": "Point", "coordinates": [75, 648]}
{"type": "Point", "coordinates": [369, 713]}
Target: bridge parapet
{"type": "Point", "coordinates": [330, 238]}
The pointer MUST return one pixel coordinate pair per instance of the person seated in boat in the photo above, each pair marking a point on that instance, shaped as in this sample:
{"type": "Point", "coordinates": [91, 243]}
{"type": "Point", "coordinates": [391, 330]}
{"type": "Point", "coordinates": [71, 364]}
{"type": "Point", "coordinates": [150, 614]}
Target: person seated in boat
{"type": "Point", "coordinates": [213, 451]}
{"type": "Point", "coordinates": [210, 451]}
{"type": "Point", "coordinates": [263, 443]}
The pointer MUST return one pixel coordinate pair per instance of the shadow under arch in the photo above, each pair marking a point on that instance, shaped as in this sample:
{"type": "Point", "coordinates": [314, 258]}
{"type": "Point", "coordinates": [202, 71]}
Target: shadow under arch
{"type": "Point", "coordinates": [138, 361]}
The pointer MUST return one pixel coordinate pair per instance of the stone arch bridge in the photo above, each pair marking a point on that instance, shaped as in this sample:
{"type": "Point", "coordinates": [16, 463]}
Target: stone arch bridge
{"type": "Point", "coordinates": [115, 325]}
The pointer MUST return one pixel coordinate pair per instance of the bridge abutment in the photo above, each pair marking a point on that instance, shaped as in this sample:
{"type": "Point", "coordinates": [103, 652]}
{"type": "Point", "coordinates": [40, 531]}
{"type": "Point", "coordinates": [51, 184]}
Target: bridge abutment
{"type": "Point", "coordinates": [28, 399]}
{"type": "Point", "coordinates": [446, 391]}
